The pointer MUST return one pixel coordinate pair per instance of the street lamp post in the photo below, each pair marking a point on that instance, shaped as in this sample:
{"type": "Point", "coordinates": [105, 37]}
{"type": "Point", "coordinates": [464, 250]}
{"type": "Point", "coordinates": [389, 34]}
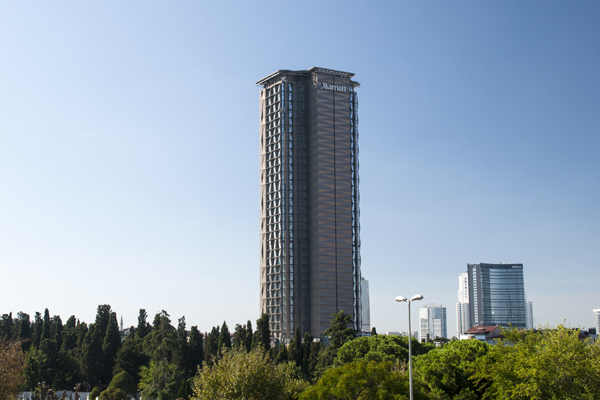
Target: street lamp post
{"type": "Point", "coordinates": [410, 379]}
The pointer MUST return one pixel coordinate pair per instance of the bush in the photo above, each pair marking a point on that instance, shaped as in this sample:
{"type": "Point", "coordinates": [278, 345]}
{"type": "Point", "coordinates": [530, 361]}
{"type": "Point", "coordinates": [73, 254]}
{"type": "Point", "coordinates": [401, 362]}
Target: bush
{"type": "Point", "coordinates": [125, 382]}
{"type": "Point", "coordinates": [113, 394]}
{"type": "Point", "coordinates": [94, 393]}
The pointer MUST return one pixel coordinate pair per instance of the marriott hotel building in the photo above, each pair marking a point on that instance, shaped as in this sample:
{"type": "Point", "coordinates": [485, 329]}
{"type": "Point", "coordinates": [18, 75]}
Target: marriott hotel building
{"type": "Point", "coordinates": [309, 200]}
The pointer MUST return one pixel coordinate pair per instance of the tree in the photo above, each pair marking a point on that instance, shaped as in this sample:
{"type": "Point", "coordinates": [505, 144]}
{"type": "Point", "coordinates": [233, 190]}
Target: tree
{"type": "Point", "coordinates": [196, 347]}
{"type": "Point", "coordinates": [296, 350]}
{"type": "Point", "coordinates": [360, 380]}
{"type": "Point", "coordinates": [380, 348]}
{"type": "Point", "coordinates": [111, 344]}
{"type": "Point", "coordinates": [262, 336]}
{"type": "Point", "coordinates": [12, 365]}
{"type": "Point", "coordinates": [548, 364]}
{"type": "Point", "coordinates": [94, 393]}
{"type": "Point", "coordinates": [160, 380]}
{"type": "Point", "coordinates": [211, 345]}
{"type": "Point", "coordinates": [282, 354]}
{"type": "Point", "coordinates": [161, 342]}
{"type": "Point", "coordinates": [224, 337]}
{"type": "Point", "coordinates": [143, 327]}
{"type": "Point", "coordinates": [6, 327]}
{"type": "Point", "coordinates": [249, 335]}
{"type": "Point", "coordinates": [113, 394]}
{"type": "Point", "coordinates": [46, 325]}
{"type": "Point", "coordinates": [339, 332]}
{"type": "Point", "coordinates": [124, 382]}
{"type": "Point", "coordinates": [24, 335]}
{"type": "Point", "coordinates": [311, 355]}
{"type": "Point", "coordinates": [131, 358]}
{"type": "Point", "coordinates": [445, 372]}
{"type": "Point", "coordinates": [182, 356]}
{"type": "Point", "coordinates": [242, 375]}
{"type": "Point", "coordinates": [239, 336]}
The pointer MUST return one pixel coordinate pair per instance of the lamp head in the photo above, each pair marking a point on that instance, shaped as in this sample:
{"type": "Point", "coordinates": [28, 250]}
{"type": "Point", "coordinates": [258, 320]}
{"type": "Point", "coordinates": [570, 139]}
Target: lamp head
{"type": "Point", "coordinates": [401, 298]}
{"type": "Point", "coordinates": [417, 297]}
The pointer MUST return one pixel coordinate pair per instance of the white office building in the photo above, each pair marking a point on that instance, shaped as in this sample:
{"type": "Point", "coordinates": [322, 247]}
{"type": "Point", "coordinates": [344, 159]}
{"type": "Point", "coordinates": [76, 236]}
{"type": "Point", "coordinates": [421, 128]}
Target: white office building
{"type": "Point", "coordinates": [463, 320]}
{"type": "Point", "coordinates": [597, 315]}
{"type": "Point", "coordinates": [365, 309]}
{"type": "Point", "coordinates": [432, 322]}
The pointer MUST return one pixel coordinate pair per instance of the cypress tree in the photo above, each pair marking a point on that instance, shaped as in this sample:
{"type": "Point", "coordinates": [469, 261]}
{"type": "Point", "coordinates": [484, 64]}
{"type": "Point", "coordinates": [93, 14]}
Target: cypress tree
{"type": "Point", "coordinates": [239, 336]}
{"type": "Point", "coordinates": [24, 331]}
{"type": "Point", "coordinates": [249, 336]}
{"type": "Point", "coordinates": [295, 350]}
{"type": "Point", "coordinates": [262, 336]}
{"type": "Point", "coordinates": [224, 337]}
{"type": "Point", "coordinates": [196, 347]}
{"type": "Point", "coordinates": [282, 354]}
{"type": "Point", "coordinates": [36, 334]}
{"type": "Point", "coordinates": [143, 327]}
{"type": "Point", "coordinates": [110, 346]}
{"type": "Point", "coordinates": [46, 325]}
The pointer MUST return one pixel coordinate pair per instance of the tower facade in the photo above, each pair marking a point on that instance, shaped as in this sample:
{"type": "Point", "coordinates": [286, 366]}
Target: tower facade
{"type": "Point", "coordinates": [497, 295]}
{"type": "Point", "coordinates": [463, 316]}
{"type": "Point", "coordinates": [365, 304]}
{"type": "Point", "coordinates": [432, 322]}
{"type": "Point", "coordinates": [309, 200]}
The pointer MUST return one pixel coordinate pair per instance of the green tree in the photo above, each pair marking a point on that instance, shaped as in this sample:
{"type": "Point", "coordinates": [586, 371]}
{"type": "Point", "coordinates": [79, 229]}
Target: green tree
{"type": "Point", "coordinates": [110, 345]}
{"type": "Point", "coordinates": [124, 382]}
{"type": "Point", "coordinates": [295, 349]}
{"type": "Point", "coordinates": [131, 358]}
{"type": "Point", "coordinates": [36, 330]}
{"type": "Point", "coordinates": [311, 355]}
{"type": "Point", "coordinates": [12, 364]}
{"type": "Point", "coordinates": [380, 348]}
{"type": "Point", "coordinates": [445, 372]}
{"type": "Point", "coordinates": [143, 327]}
{"type": "Point", "coordinates": [6, 327]}
{"type": "Point", "coordinates": [196, 347]}
{"type": "Point", "coordinates": [160, 380]}
{"type": "Point", "coordinates": [24, 334]}
{"type": "Point", "coordinates": [249, 335]}
{"type": "Point", "coordinates": [339, 332]}
{"type": "Point", "coordinates": [113, 394]}
{"type": "Point", "coordinates": [239, 336]}
{"type": "Point", "coordinates": [183, 357]}
{"type": "Point", "coordinates": [224, 337]}
{"type": "Point", "coordinates": [262, 336]}
{"type": "Point", "coordinates": [282, 354]}
{"type": "Point", "coordinates": [360, 380]}
{"type": "Point", "coordinates": [161, 342]}
{"type": "Point", "coordinates": [46, 325]}
{"type": "Point", "coordinates": [548, 364]}
{"type": "Point", "coordinates": [211, 345]}
{"type": "Point", "coordinates": [243, 375]}
{"type": "Point", "coordinates": [94, 393]}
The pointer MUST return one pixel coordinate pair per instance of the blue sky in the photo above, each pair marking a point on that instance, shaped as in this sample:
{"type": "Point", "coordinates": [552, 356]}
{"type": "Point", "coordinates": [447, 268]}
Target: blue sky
{"type": "Point", "coordinates": [129, 150]}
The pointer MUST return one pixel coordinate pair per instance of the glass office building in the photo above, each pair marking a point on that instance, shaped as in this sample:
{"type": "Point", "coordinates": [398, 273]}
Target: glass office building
{"type": "Point", "coordinates": [497, 295]}
{"type": "Point", "coordinates": [432, 322]}
{"type": "Point", "coordinates": [309, 200]}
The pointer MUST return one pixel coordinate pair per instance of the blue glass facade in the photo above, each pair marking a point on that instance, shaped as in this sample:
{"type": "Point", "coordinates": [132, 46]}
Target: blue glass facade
{"type": "Point", "coordinates": [497, 295]}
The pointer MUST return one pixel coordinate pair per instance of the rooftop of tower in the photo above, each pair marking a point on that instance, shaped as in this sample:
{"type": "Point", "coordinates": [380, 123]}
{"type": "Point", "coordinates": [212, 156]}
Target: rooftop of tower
{"type": "Point", "coordinates": [304, 72]}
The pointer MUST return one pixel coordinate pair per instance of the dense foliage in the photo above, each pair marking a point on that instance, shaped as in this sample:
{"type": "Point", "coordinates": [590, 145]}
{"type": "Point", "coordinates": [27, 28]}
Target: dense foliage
{"type": "Point", "coordinates": [164, 362]}
{"type": "Point", "coordinates": [11, 368]}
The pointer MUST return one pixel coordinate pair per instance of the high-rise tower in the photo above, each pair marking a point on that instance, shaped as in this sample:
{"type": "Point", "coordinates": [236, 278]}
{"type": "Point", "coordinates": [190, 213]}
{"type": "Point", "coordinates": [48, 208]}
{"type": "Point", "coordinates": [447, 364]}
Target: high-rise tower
{"type": "Point", "coordinates": [309, 211]}
{"type": "Point", "coordinates": [496, 295]}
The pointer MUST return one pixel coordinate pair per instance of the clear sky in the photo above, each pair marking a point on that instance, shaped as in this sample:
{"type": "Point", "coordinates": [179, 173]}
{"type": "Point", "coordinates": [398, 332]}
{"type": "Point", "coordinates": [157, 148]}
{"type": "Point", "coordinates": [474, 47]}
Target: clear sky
{"type": "Point", "coordinates": [129, 150]}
